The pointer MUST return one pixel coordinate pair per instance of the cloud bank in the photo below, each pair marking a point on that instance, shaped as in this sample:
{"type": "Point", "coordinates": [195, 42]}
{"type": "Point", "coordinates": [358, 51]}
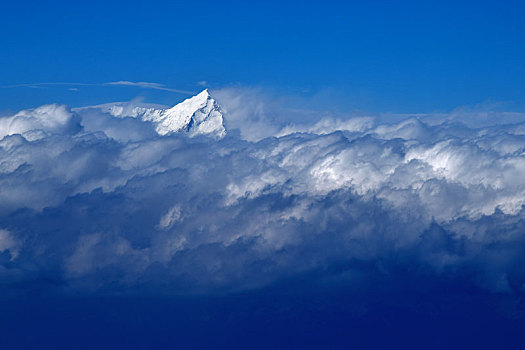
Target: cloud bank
{"type": "Point", "coordinates": [96, 203]}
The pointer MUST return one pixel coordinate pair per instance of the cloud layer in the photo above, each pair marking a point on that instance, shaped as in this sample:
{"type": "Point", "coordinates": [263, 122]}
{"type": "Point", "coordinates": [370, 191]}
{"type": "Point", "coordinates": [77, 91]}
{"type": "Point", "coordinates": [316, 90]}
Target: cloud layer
{"type": "Point", "coordinates": [95, 203]}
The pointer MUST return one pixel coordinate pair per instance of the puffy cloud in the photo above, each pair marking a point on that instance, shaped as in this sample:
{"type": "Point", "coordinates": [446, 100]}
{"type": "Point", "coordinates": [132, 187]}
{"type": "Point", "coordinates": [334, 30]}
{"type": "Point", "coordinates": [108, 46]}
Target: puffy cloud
{"type": "Point", "coordinates": [9, 244]}
{"type": "Point", "coordinates": [101, 203]}
{"type": "Point", "coordinates": [39, 122]}
{"type": "Point", "coordinates": [330, 125]}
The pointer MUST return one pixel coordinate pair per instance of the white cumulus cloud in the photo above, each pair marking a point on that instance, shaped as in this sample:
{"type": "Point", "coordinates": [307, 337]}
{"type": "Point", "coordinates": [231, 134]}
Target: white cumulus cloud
{"type": "Point", "coordinates": [102, 202]}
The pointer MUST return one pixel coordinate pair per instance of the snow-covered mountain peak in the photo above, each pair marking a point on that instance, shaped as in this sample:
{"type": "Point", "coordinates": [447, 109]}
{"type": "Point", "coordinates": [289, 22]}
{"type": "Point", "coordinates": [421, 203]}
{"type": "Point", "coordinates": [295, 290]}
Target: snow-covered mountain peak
{"type": "Point", "coordinates": [197, 115]}
{"type": "Point", "coordinates": [202, 96]}
{"type": "Point", "coordinates": [193, 104]}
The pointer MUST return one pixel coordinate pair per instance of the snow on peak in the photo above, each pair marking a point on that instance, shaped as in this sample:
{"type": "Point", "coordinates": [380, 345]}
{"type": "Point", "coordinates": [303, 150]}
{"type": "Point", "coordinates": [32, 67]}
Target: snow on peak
{"type": "Point", "coordinates": [198, 115]}
{"type": "Point", "coordinates": [204, 95]}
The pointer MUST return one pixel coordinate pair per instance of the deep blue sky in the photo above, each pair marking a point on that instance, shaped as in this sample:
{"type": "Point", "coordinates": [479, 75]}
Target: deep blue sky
{"type": "Point", "coordinates": [378, 56]}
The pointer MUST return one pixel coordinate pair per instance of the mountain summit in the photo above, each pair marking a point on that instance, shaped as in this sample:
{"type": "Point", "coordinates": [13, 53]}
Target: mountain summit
{"type": "Point", "coordinates": [197, 115]}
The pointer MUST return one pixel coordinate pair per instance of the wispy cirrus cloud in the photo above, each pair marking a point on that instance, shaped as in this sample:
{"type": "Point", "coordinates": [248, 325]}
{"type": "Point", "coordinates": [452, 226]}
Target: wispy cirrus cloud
{"type": "Point", "coordinates": [139, 84]}
{"type": "Point", "coordinates": [46, 84]}
{"type": "Point", "coordinates": [147, 85]}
